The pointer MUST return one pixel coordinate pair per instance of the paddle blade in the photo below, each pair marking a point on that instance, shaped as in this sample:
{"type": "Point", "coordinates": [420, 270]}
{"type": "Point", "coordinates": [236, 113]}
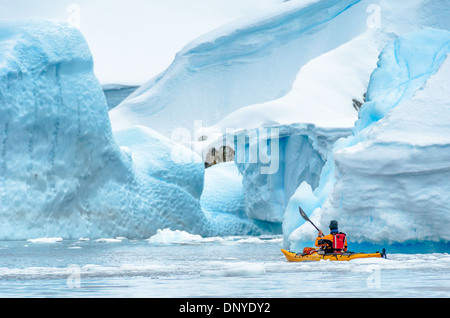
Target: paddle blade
{"type": "Point", "coordinates": [303, 214]}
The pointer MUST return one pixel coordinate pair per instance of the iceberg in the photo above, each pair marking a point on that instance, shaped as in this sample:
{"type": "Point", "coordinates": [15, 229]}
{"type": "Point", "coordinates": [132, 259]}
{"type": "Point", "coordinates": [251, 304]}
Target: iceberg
{"type": "Point", "coordinates": [356, 115]}
{"type": "Point", "coordinates": [248, 61]}
{"type": "Point", "coordinates": [62, 174]}
{"type": "Point", "coordinates": [386, 182]}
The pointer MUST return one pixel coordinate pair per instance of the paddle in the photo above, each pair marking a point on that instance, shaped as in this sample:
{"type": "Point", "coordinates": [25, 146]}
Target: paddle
{"type": "Point", "coordinates": [304, 216]}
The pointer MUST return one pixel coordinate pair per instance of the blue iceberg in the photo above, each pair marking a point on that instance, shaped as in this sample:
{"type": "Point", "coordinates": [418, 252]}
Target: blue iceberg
{"type": "Point", "coordinates": [62, 174]}
{"type": "Point", "coordinates": [387, 182]}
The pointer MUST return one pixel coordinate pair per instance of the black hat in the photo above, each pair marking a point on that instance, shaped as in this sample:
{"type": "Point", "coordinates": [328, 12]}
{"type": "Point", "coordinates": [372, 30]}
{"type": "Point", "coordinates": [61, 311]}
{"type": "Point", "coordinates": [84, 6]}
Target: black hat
{"type": "Point", "coordinates": [333, 225]}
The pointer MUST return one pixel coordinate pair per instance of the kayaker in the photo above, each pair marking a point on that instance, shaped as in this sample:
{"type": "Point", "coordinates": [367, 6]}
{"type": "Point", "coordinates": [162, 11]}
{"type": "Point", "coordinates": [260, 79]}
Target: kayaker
{"type": "Point", "coordinates": [335, 242]}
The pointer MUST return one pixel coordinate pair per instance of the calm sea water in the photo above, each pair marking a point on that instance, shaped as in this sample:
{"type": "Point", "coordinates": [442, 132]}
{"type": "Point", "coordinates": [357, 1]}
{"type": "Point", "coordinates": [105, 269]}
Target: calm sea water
{"type": "Point", "coordinates": [246, 267]}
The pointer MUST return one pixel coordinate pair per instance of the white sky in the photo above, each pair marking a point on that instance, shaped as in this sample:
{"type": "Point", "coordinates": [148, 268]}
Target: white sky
{"type": "Point", "coordinates": [133, 40]}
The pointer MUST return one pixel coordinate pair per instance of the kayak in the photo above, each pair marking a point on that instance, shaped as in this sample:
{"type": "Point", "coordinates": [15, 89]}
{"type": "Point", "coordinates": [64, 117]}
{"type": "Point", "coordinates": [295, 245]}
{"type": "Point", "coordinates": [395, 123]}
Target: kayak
{"type": "Point", "coordinates": [317, 256]}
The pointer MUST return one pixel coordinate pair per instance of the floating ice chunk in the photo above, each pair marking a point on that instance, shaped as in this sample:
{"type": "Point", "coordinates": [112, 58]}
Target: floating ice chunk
{"type": "Point", "coordinates": [46, 240]}
{"type": "Point", "coordinates": [167, 236]}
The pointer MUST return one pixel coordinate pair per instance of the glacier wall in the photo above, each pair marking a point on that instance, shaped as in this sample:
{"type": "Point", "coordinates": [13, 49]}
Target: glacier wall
{"type": "Point", "coordinates": [61, 172]}
{"type": "Point", "coordinates": [386, 183]}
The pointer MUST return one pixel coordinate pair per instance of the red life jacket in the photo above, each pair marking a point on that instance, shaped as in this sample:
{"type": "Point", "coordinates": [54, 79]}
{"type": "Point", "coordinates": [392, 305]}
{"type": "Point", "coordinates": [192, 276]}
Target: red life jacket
{"type": "Point", "coordinates": [338, 242]}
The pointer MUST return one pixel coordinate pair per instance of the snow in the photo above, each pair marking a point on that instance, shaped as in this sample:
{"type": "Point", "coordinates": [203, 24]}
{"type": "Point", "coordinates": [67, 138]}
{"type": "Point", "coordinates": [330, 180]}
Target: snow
{"type": "Point", "coordinates": [248, 61]}
{"type": "Point", "coordinates": [323, 90]}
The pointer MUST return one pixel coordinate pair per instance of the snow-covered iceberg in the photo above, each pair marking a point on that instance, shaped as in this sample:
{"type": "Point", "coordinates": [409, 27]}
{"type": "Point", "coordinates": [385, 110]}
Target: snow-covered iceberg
{"type": "Point", "coordinates": [387, 184]}
{"type": "Point", "coordinates": [61, 172]}
{"type": "Point", "coordinates": [252, 60]}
